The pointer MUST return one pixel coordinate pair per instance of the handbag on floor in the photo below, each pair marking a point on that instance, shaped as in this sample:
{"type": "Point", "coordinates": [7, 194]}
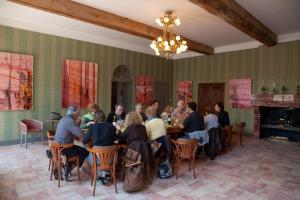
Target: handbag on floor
{"type": "Point", "coordinates": [164, 170]}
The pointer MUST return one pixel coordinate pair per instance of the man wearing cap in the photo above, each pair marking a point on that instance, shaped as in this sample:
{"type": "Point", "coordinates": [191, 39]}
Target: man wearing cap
{"type": "Point", "coordinates": [67, 130]}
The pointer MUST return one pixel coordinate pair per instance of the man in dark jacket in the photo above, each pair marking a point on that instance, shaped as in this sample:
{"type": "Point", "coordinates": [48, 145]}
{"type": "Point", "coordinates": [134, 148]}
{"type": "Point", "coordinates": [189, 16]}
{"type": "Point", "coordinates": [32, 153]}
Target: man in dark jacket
{"type": "Point", "coordinates": [117, 115]}
{"type": "Point", "coordinates": [223, 116]}
{"type": "Point", "coordinates": [194, 121]}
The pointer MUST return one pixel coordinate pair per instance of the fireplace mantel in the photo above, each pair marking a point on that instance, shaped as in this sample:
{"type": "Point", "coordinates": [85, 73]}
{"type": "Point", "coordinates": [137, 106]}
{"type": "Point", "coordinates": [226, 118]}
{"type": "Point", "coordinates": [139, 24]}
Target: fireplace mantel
{"type": "Point", "coordinates": [267, 101]}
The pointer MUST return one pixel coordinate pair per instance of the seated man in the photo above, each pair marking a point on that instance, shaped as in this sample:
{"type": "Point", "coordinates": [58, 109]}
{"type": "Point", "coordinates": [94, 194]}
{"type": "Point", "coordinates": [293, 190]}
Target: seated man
{"type": "Point", "coordinates": [194, 121]}
{"type": "Point", "coordinates": [117, 115]}
{"type": "Point", "coordinates": [67, 130]}
{"type": "Point", "coordinates": [222, 115]}
{"type": "Point", "coordinates": [193, 125]}
{"type": "Point", "coordinates": [180, 112]}
{"type": "Point", "coordinates": [102, 134]}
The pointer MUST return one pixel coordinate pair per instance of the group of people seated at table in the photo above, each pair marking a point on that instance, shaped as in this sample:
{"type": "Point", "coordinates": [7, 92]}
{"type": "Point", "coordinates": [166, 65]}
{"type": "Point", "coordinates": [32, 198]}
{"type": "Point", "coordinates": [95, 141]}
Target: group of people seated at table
{"type": "Point", "coordinates": [137, 125]}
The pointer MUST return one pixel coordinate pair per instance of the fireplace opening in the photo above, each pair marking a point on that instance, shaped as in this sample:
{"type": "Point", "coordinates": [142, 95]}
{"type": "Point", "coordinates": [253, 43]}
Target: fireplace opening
{"type": "Point", "coordinates": [280, 121]}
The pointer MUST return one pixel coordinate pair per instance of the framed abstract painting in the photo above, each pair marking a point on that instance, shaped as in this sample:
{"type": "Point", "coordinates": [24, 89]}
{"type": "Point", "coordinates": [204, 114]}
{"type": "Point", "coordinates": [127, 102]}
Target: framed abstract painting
{"type": "Point", "coordinates": [79, 83]}
{"type": "Point", "coordinates": [16, 81]}
{"type": "Point", "coordinates": [240, 93]}
{"type": "Point", "coordinates": [184, 91]}
{"type": "Point", "coordinates": [144, 89]}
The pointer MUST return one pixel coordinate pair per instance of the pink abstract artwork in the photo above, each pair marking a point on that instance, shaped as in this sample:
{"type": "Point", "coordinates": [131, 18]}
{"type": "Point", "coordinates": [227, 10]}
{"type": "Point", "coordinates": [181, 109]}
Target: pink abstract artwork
{"type": "Point", "coordinates": [16, 81]}
{"type": "Point", "coordinates": [79, 83]}
{"type": "Point", "coordinates": [240, 93]}
{"type": "Point", "coordinates": [184, 91]}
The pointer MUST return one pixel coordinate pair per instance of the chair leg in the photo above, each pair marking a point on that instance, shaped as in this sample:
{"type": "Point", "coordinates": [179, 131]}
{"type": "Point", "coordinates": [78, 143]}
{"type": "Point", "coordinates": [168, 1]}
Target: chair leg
{"type": "Point", "coordinates": [59, 174]}
{"type": "Point", "coordinates": [92, 175]}
{"type": "Point", "coordinates": [51, 170]}
{"type": "Point", "coordinates": [26, 141]}
{"type": "Point", "coordinates": [177, 168]}
{"type": "Point", "coordinates": [50, 161]}
{"type": "Point", "coordinates": [42, 137]}
{"type": "Point", "coordinates": [21, 139]}
{"type": "Point", "coordinates": [241, 140]}
{"type": "Point", "coordinates": [114, 179]}
{"type": "Point", "coordinates": [94, 182]}
{"type": "Point", "coordinates": [194, 167]}
{"type": "Point", "coordinates": [78, 170]}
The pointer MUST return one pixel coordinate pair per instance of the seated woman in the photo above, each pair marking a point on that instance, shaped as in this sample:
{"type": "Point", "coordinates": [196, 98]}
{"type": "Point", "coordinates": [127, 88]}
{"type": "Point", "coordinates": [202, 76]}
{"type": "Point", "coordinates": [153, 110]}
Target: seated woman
{"type": "Point", "coordinates": [156, 130]}
{"type": "Point", "coordinates": [102, 134]}
{"type": "Point", "coordinates": [134, 129]}
{"type": "Point", "coordinates": [210, 119]}
{"type": "Point", "coordinates": [166, 112]}
{"type": "Point", "coordinates": [139, 110]}
{"type": "Point", "coordinates": [88, 118]}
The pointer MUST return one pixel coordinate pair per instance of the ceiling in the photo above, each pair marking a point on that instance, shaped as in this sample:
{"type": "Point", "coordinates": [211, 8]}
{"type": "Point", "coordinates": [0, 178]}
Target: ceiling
{"type": "Point", "coordinates": [281, 16]}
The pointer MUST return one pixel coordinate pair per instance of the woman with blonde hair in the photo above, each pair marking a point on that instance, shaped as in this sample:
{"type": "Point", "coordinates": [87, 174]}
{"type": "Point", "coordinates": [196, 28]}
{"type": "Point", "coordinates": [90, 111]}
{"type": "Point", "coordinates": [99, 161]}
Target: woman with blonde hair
{"type": "Point", "coordinates": [134, 129]}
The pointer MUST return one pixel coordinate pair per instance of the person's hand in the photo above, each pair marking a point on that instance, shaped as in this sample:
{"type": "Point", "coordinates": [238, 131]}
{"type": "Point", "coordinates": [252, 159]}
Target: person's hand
{"type": "Point", "coordinates": [89, 123]}
{"type": "Point", "coordinates": [118, 127]}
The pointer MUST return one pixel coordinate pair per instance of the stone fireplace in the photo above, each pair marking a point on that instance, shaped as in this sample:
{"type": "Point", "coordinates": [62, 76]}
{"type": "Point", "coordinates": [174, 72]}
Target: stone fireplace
{"type": "Point", "coordinates": [276, 118]}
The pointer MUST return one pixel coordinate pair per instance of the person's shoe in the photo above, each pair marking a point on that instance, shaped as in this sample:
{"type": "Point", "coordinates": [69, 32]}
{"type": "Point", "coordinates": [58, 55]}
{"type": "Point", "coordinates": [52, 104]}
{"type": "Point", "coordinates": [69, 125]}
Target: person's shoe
{"type": "Point", "coordinates": [65, 172]}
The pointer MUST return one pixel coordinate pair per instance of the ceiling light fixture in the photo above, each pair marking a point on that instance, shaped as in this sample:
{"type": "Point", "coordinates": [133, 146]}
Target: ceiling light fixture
{"type": "Point", "coordinates": [168, 43]}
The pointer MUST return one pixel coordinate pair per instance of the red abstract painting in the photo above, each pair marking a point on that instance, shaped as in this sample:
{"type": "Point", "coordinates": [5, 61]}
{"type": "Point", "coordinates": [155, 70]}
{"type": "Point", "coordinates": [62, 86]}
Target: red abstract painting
{"type": "Point", "coordinates": [16, 75]}
{"type": "Point", "coordinates": [79, 83]}
{"type": "Point", "coordinates": [144, 89]}
{"type": "Point", "coordinates": [240, 93]}
{"type": "Point", "coordinates": [184, 91]}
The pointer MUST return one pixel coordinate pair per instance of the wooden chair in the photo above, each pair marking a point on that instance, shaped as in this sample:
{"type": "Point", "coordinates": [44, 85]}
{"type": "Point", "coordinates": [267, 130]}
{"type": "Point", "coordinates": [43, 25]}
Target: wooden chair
{"type": "Point", "coordinates": [30, 126]}
{"type": "Point", "coordinates": [56, 154]}
{"type": "Point", "coordinates": [238, 129]}
{"type": "Point", "coordinates": [107, 155]}
{"type": "Point", "coordinates": [50, 135]}
{"type": "Point", "coordinates": [185, 150]}
{"type": "Point", "coordinates": [228, 136]}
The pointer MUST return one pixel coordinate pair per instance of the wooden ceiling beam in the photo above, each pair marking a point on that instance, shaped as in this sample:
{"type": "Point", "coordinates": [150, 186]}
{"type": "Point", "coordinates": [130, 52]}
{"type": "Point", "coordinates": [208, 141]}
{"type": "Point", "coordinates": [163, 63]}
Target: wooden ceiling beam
{"type": "Point", "coordinates": [240, 18]}
{"type": "Point", "coordinates": [102, 18]}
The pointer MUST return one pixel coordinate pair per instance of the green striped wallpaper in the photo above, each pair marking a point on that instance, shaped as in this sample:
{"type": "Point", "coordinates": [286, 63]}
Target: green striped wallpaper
{"type": "Point", "coordinates": [280, 64]}
{"type": "Point", "coordinates": [49, 53]}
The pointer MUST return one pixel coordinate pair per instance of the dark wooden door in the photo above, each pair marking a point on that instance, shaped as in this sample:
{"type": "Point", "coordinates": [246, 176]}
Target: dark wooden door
{"type": "Point", "coordinates": [209, 94]}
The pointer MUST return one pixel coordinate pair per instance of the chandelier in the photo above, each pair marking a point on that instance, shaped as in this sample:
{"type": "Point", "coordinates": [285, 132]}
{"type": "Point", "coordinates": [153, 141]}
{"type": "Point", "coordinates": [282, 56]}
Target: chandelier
{"type": "Point", "coordinates": [168, 43]}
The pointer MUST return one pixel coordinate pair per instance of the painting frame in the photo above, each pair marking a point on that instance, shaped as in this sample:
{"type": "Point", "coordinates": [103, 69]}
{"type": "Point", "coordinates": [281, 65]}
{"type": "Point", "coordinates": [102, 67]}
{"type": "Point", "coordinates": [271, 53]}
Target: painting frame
{"type": "Point", "coordinates": [79, 83]}
{"type": "Point", "coordinates": [185, 90]}
{"type": "Point", "coordinates": [16, 82]}
{"type": "Point", "coordinates": [240, 93]}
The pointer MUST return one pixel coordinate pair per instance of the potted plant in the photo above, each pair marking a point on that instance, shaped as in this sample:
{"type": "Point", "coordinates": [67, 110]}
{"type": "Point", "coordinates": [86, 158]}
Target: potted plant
{"type": "Point", "coordinates": [284, 89]}
{"type": "Point", "coordinates": [298, 89]}
{"type": "Point", "coordinates": [264, 89]}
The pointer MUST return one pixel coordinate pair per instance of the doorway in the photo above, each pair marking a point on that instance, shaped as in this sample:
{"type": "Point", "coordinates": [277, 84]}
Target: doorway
{"type": "Point", "coordinates": [161, 94]}
{"type": "Point", "coordinates": [122, 88]}
{"type": "Point", "coordinates": [209, 94]}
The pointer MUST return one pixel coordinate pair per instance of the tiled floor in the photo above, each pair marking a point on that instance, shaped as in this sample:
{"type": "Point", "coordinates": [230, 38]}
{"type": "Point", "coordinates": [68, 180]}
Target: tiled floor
{"type": "Point", "coordinates": [261, 170]}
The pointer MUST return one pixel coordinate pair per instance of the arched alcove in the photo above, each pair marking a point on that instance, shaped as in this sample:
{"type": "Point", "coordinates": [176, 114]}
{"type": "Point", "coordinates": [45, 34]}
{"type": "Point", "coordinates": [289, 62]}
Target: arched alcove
{"type": "Point", "coordinates": [122, 88]}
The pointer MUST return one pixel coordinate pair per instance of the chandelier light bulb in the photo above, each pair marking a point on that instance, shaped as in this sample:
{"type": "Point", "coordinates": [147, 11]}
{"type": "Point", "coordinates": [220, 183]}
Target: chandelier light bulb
{"type": "Point", "coordinates": [177, 37]}
{"type": "Point", "coordinates": [159, 39]}
{"type": "Point", "coordinates": [183, 42]}
{"type": "Point", "coordinates": [152, 46]}
{"type": "Point", "coordinates": [177, 21]}
{"type": "Point", "coordinates": [158, 21]}
{"type": "Point", "coordinates": [157, 53]}
{"type": "Point", "coordinates": [167, 48]}
{"type": "Point", "coordinates": [172, 42]}
{"type": "Point", "coordinates": [166, 19]}
{"type": "Point", "coordinates": [166, 43]}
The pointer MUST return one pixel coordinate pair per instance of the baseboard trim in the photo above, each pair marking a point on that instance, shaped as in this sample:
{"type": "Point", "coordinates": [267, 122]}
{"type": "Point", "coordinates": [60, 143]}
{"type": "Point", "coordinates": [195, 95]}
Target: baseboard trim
{"type": "Point", "coordinates": [17, 141]}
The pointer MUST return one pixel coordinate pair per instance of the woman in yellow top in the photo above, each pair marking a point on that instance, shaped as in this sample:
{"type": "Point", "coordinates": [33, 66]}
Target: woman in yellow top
{"type": "Point", "coordinates": [156, 130]}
